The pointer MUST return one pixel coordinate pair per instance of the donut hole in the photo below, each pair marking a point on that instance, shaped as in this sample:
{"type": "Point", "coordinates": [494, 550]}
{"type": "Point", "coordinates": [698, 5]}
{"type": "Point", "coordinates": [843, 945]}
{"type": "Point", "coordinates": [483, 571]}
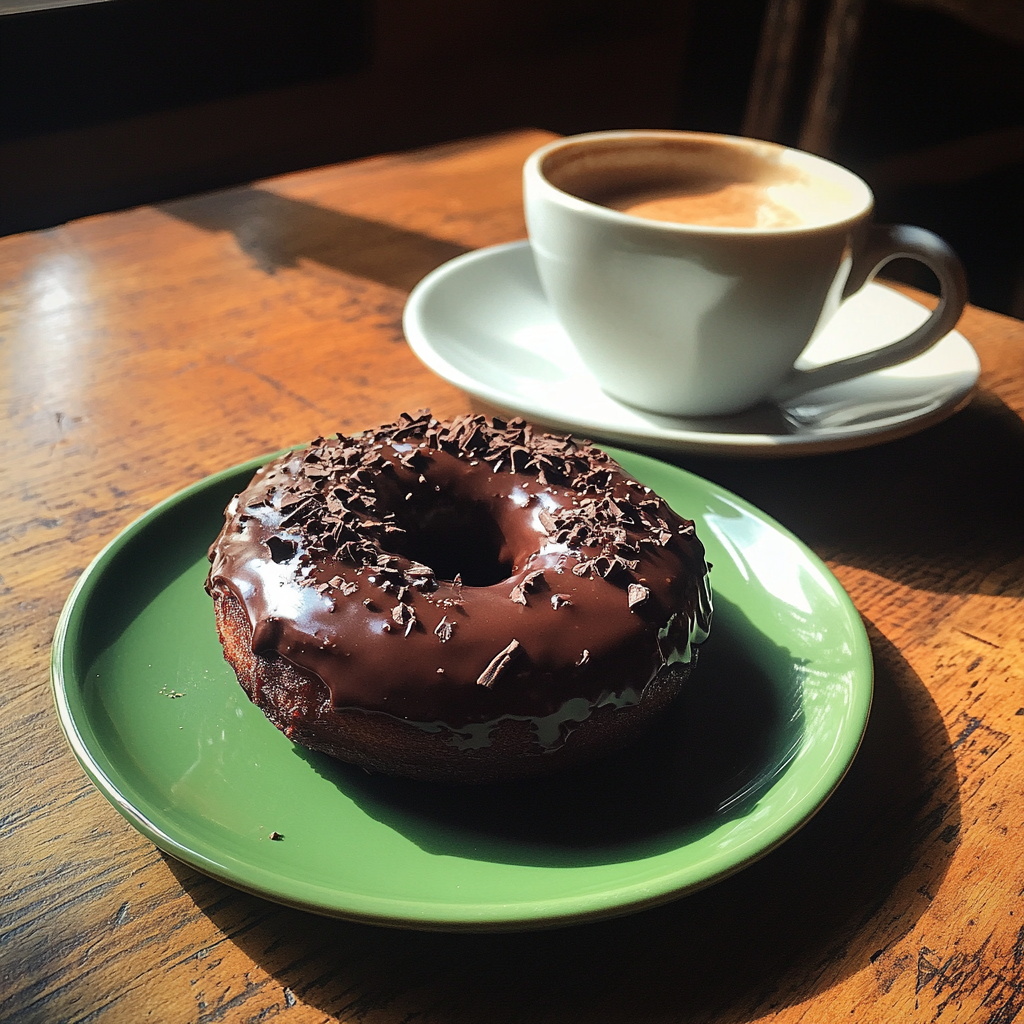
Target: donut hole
{"type": "Point", "coordinates": [455, 539]}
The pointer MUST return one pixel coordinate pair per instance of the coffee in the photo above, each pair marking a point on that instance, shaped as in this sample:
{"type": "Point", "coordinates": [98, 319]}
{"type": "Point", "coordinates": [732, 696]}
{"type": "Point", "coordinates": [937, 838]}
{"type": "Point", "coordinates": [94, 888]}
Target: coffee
{"type": "Point", "coordinates": [713, 203]}
{"type": "Point", "coordinates": [710, 184]}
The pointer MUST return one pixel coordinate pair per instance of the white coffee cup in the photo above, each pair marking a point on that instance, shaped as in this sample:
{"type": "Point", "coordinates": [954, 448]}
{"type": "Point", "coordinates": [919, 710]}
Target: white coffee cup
{"type": "Point", "coordinates": [692, 270]}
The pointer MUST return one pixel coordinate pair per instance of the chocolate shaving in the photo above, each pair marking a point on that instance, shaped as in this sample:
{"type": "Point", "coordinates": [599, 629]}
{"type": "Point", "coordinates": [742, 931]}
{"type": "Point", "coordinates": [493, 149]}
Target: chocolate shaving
{"type": "Point", "coordinates": [560, 601]}
{"type": "Point", "coordinates": [414, 460]}
{"type": "Point", "coordinates": [282, 550]}
{"type": "Point", "coordinates": [584, 658]}
{"type": "Point", "coordinates": [499, 664]}
{"type": "Point", "coordinates": [637, 595]}
{"type": "Point", "coordinates": [519, 457]}
{"type": "Point", "coordinates": [348, 588]}
{"type": "Point", "coordinates": [403, 615]}
{"type": "Point", "coordinates": [445, 628]}
{"type": "Point", "coordinates": [533, 581]}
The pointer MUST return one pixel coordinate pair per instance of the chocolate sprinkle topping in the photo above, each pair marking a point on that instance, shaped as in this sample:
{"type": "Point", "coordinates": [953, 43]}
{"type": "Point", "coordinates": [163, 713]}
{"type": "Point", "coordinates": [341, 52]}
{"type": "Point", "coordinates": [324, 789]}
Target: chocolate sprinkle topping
{"type": "Point", "coordinates": [333, 501]}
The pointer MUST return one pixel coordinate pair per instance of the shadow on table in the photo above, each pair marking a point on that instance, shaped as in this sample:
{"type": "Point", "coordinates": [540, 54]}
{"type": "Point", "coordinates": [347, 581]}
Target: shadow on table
{"type": "Point", "coordinates": [776, 934]}
{"type": "Point", "coordinates": [726, 740]}
{"type": "Point", "coordinates": [940, 510]}
{"type": "Point", "coordinates": [167, 546]}
{"type": "Point", "coordinates": [277, 231]}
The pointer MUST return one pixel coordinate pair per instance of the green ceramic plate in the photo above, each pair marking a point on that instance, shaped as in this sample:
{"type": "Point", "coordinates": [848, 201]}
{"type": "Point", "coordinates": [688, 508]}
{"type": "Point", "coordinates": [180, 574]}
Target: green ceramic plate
{"type": "Point", "coordinates": [772, 718]}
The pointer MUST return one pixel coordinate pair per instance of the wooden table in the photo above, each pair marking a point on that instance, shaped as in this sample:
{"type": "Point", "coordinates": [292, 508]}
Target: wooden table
{"type": "Point", "coordinates": [143, 350]}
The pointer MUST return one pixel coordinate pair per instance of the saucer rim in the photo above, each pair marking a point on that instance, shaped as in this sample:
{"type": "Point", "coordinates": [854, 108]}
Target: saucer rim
{"type": "Point", "coordinates": [732, 445]}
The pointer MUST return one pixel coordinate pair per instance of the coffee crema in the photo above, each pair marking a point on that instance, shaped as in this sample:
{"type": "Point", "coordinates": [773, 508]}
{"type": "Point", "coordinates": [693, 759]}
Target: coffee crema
{"type": "Point", "coordinates": [734, 204]}
{"type": "Point", "coordinates": [699, 183]}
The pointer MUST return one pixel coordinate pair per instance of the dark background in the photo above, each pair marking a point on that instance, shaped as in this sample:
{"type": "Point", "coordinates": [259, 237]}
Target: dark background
{"type": "Point", "coordinates": [109, 105]}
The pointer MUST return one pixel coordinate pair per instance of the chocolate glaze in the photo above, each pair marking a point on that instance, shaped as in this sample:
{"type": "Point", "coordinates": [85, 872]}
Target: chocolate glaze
{"type": "Point", "coordinates": [455, 575]}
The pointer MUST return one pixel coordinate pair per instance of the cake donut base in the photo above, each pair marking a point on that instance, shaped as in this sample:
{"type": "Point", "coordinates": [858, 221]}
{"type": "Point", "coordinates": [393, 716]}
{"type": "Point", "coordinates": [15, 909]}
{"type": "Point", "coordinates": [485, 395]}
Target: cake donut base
{"type": "Point", "coordinates": [381, 743]}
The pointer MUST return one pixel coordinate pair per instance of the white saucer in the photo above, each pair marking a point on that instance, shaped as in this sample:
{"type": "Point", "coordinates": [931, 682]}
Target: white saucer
{"type": "Point", "coordinates": [482, 322]}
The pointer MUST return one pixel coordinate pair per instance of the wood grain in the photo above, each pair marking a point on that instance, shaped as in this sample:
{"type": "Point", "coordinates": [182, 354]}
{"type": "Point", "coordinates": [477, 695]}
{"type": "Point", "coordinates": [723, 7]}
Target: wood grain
{"type": "Point", "coordinates": [143, 350]}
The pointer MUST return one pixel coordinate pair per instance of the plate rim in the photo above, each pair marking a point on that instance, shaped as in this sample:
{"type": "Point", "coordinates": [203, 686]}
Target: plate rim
{"type": "Point", "coordinates": [695, 442]}
{"type": "Point", "coordinates": [617, 901]}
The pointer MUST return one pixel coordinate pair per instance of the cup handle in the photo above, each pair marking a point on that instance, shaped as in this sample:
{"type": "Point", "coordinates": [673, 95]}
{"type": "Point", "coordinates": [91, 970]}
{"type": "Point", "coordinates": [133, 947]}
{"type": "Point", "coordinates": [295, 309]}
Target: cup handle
{"type": "Point", "coordinates": [883, 243]}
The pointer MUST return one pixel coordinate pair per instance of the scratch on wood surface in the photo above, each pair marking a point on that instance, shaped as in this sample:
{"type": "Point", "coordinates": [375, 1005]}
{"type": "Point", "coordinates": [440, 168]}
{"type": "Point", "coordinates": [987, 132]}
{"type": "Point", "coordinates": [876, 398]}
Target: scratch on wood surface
{"type": "Point", "coordinates": [277, 386]}
{"type": "Point", "coordinates": [991, 740]}
{"type": "Point", "coordinates": [224, 1005]}
{"type": "Point", "coordinates": [972, 725]}
{"type": "Point", "coordinates": [981, 640]}
{"type": "Point", "coordinates": [969, 979]}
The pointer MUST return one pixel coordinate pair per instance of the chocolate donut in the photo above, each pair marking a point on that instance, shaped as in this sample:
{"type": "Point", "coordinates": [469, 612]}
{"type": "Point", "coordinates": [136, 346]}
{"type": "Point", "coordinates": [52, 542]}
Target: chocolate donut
{"type": "Point", "coordinates": [471, 601]}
